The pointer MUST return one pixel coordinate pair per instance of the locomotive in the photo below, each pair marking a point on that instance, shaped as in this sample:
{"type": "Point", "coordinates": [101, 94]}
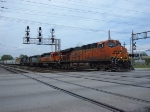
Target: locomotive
{"type": "Point", "coordinates": [105, 55]}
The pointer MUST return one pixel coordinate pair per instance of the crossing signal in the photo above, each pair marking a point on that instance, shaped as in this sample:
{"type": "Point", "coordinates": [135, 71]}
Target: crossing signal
{"type": "Point", "coordinates": [134, 44]}
{"type": "Point", "coordinates": [132, 55]}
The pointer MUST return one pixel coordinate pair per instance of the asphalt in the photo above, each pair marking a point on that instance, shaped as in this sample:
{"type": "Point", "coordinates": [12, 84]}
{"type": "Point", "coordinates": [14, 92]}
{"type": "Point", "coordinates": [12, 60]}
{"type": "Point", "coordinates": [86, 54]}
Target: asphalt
{"type": "Point", "coordinates": [128, 91]}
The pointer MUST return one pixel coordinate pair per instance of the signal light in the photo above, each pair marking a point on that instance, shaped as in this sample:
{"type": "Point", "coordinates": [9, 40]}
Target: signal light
{"type": "Point", "coordinates": [132, 55]}
{"type": "Point", "coordinates": [40, 34]}
{"type": "Point", "coordinates": [40, 39]}
{"type": "Point", "coordinates": [28, 28]}
{"type": "Point", "coordinates": [52, 30]}
{"type": "Point", "coordinates": [52, 40]}
{"type": "Point", "coordinates": [27, 39]}
{"type": "Point", "coordinates": [27, 34]}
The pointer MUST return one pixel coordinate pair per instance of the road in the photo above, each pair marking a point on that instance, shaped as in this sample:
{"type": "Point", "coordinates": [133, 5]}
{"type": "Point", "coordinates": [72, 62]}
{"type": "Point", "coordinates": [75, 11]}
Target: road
{"type": "Point", "coordinates": [95, 91]}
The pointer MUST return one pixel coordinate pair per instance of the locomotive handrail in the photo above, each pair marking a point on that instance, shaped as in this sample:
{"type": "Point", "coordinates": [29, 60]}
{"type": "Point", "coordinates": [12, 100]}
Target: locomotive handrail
{"type": "Point", "coordinates": [118, 55]}
{"type": "Point", "coordinates": [114, 57]}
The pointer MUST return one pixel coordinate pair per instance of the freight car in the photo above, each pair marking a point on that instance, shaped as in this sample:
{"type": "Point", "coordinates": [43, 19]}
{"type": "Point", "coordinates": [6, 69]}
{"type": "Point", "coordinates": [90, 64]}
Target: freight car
{"type": "Point", "coordinates": [1, 62]}
{"type": "Point", "coordinates": [11, 62]}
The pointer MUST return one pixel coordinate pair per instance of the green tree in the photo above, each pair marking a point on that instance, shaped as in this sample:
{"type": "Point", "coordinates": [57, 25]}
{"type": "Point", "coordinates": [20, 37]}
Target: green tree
{"type": "Point", "coordinates": [147, 60]}
{"type": "Point", "coordinates": [6, 57]}
{"type": "Point", "coordinates": [21, 56]}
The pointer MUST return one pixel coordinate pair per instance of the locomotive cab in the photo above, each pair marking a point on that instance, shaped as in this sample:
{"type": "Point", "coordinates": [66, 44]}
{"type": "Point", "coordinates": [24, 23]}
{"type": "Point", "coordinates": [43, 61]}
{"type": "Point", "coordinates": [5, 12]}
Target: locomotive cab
{"type": "Point", "coordinates": [119, 55]}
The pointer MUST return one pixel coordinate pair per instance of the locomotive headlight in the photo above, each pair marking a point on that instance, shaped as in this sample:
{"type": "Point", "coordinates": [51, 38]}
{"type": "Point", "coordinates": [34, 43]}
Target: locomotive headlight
{"type": "Point", "coordinates": [121, 57]}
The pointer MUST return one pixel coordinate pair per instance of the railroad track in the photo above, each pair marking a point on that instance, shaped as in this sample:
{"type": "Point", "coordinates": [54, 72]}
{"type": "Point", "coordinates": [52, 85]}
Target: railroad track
{"type": "Point", "coordinates": [101, 104]}
{"type": "Point", "coordinates": [12, 69]}
{"type": "Point", "coordinates": [128, 97]}
{"type": "Point", "coordinates": [105, 81]}
{"type": "Point", "coordinates": [106, 106]}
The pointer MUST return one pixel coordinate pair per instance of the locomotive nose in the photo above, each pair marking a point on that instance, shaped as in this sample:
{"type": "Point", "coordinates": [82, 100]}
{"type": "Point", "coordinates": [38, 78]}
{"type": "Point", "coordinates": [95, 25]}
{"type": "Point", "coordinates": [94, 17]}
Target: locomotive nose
{"type": "Point", "coordinates": [120, 52]}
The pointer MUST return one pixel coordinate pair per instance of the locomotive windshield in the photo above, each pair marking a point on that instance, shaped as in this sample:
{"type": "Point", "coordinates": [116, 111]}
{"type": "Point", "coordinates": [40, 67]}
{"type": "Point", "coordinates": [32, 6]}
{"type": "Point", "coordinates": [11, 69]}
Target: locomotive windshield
{"type": "Point", "coordinates": [118, 44]}
{"type": "Point", "coordinates": [111, 44]}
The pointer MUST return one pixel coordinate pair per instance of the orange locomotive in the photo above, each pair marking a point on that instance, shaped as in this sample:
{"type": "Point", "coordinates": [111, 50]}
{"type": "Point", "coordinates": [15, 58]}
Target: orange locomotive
{"type": "Point", "coordinates": [105, 55]}
{"type": "Point", "coordinates": [51, 59]}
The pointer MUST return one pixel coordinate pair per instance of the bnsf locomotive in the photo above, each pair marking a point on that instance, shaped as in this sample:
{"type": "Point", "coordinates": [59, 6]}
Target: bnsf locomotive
{"type": "Point", "coordinates": [104, 55]}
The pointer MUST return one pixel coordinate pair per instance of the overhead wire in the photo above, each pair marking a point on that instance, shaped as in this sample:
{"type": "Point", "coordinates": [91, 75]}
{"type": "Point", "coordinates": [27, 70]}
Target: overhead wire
{"type": "Point", "coordinates": [75, 9]}
{"type": "Point", "coordinates": [90, 3]}
{"type": "Point", "coordinates": [76, 17]}
{"type": "Point", "coordinates": [86, 18]}
{"type": "Point", "coordinates": [20, 9]}
{"type": "Point", "coordinates": [57, 25]}
{"type": "Point", "coordinates": [91, 18]}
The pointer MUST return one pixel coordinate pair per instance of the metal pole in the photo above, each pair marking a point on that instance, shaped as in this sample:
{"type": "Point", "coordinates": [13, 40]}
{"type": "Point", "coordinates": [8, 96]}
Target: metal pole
{"type": "Point", "coordinates": [132, 62]}
{"type": "Point", "coordinates": [109, 35]}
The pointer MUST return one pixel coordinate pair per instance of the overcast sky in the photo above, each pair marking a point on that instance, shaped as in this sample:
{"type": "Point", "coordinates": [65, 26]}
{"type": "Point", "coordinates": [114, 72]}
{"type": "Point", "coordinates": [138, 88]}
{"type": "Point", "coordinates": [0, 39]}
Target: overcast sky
{"type": "Point", "coordinates": [76, 23]}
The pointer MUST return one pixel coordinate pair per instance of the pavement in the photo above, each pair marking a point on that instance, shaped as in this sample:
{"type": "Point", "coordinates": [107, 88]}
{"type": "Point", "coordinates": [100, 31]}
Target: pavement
{"type": "Point", "coordinates": [128, 91]}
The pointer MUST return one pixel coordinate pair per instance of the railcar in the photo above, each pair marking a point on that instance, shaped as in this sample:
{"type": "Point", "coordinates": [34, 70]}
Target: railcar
{"type": "Point", "coordinates": [24, 61]}
{"type": "Point", "coordinates": [1, 62]}
{"type": "Point", "coordinates": [51, 59]}
{"type": "Point", "coordinates": [17, 62]}
{"type": "Point", "coordinates": [106, 55]}
{"type": "Point", "coordinates": [34, 60]}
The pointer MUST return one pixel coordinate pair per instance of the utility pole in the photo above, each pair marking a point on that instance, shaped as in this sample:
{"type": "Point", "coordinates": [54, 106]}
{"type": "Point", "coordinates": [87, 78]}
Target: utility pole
{"type": "Point", "coordinates": [132, 61]}
{"type": "Point", "coordinates": [133, 44]}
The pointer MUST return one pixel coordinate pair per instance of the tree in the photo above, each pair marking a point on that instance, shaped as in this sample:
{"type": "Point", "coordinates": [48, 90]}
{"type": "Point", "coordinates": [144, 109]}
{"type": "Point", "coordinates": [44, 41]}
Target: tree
{"type": "Point", "coordinates": [6, 57]}
{"type": "Point", "coordinates": [21, 56]}
{"type": "Point", "coordinates": [147, 60]}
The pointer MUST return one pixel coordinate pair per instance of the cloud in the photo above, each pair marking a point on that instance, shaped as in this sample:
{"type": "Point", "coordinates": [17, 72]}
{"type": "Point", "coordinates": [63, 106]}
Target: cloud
{"type": "Point", "coordinates": [72, 21]}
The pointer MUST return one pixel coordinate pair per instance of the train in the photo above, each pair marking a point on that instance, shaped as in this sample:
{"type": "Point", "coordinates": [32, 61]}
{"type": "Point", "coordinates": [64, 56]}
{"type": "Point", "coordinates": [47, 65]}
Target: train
{"type": "Point", "coordinates": [103, 55]}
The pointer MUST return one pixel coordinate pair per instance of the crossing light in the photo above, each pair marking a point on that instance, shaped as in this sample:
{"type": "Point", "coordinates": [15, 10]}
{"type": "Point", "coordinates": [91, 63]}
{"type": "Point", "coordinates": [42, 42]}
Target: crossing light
{"type": "Point", "coordinates": [134, 44]}
{"type": "Point", "coordinates": [132, 55]}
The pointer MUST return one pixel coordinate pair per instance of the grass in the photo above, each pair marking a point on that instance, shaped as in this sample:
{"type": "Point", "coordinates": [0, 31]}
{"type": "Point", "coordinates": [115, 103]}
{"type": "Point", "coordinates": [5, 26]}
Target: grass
{"type": "Point", "coordinates": [141, 66]}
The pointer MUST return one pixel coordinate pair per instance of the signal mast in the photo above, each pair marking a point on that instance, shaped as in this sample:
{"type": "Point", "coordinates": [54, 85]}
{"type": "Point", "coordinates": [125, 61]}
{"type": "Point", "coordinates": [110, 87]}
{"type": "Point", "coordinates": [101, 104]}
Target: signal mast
{"type": "Point", "coordinates": [40, 40]}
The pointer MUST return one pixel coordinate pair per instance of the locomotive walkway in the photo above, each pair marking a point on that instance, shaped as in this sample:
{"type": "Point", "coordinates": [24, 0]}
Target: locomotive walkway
{"type": "Point", "coordinates": [95, 91]}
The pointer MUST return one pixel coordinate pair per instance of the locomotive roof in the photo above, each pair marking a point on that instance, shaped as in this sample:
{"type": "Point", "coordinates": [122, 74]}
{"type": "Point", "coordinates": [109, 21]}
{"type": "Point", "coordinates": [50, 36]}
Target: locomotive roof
{"type": "Point", "coordinates": [108, 41]}
{"type": "Point", "coordinates": [46, 53]}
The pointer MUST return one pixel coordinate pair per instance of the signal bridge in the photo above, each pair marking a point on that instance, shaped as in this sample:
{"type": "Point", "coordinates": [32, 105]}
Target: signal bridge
{"type": "Point", "coordinates": [42, 41]}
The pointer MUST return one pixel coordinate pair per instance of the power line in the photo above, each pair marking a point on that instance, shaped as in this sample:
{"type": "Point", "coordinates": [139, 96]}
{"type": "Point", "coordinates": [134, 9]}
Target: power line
{"type": "Point", "coordinates": [48, 24]}
{"type": "Point", "coordinates": [85, 19]}
{"type": "Point", "coordinates": [57, 25]}
{"type": "Point", "coordinates": [78, 10]}
{"type": "Point", "coordinates": [20, 9]}
{"type": "Point", "coordinates": [76, 17]}
{"type": "Point", "coordinates": [8, 46]}
{"type": "Point", "coordinates": [91, 4]}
